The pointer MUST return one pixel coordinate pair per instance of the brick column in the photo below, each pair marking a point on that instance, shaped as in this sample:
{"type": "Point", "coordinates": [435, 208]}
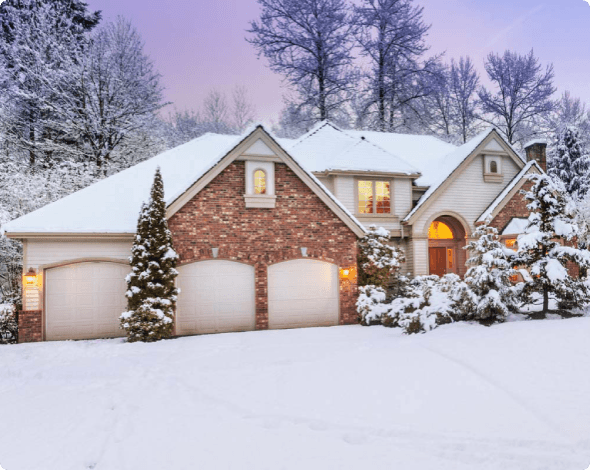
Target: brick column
{"type": "Point", "coordinates": [261, 295]}
{"type": "Point", "coordinates": [30, 326]}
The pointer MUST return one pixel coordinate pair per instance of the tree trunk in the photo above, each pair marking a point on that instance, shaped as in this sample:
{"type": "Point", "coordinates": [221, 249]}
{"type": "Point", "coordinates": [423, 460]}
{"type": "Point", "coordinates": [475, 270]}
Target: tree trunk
{"type": "Point", "coordinates": [545, 301]}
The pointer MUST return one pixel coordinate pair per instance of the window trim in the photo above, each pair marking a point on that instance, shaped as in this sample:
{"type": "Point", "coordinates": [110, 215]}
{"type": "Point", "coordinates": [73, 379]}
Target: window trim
{"type": "Point", "coordinates": [391, 213]}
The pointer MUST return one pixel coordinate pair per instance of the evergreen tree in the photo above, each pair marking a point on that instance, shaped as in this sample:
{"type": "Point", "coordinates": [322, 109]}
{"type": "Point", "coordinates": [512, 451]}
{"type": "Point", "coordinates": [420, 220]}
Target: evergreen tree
{"type": "Point", "coordinates": [489, 276]}
{"type": "Point", "coordinates": [379, 262]}
{"type": "Point", "coordinates": [542, 248]}
{"type": "Point", "coordinates": [151, 294]}
{"type": "Point", "coordinates": [571, 163]}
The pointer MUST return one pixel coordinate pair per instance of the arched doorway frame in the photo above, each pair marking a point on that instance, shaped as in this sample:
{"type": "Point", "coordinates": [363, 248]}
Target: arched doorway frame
{"type": "Point", "coordinates": [453, 258]}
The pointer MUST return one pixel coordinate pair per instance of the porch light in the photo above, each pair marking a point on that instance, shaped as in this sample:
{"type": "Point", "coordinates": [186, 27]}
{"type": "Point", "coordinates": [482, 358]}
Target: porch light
{"type": "Point", "coordinates": [31, 277]}
{"type": "Point", "coordinates": [303, 251]}
{"type": "Point", "coordinates": [348, 273]}
{"type": "Point", "coordinates": [215, 252]}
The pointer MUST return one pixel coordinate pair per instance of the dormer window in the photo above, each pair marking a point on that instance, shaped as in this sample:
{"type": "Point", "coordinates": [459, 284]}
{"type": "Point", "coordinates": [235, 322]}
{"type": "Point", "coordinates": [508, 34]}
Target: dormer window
{"type": "Point", "coordinates": [374, 197]}
{"type": "Point", "coordinates": [492, 169]}
{"type": "Point", "coordinates": [259, 182]}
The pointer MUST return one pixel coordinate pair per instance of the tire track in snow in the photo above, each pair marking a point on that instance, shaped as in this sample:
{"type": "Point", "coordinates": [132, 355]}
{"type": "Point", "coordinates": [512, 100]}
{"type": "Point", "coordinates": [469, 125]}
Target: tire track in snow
{"type": "Point", "coordinates": [538, 415]}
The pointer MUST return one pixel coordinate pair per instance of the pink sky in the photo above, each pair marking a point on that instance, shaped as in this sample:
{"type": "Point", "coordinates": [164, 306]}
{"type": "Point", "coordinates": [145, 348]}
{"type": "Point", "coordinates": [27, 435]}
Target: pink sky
{"type": "Point", "coordinates": [199, 45]}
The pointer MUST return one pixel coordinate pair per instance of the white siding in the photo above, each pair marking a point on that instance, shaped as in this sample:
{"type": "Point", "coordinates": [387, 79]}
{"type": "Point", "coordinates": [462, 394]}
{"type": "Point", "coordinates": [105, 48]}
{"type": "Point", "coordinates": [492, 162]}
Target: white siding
{"type": "Point", "coordinates": [468, 195]}
{"type": "Point", "coordinates": [402, 196]}
{"type": "Point", "coordinates": [420, 257]}
{"type": "Point", "coordinates": [328, 182]}
{"type": "Point", "coordinates": [40, 253]}
{"type": "Point", "coordinates": [344, 191]}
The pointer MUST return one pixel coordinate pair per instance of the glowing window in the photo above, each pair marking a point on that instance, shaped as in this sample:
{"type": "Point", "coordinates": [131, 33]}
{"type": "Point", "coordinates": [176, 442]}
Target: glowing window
{"type": "Point", "coordinates": [365, 197]}
{"type": "Point", "coordinates": [450, 258]}
{"type": "Point", "coordinates": [259, 182]}
{"type": "Point", "coordinates": [374, 197]}
{"type": "Point", "coordinates": [440, 231]}
{"type": "Point", "coordinates": [511, 243]}
{"type": "Point", "coordinates": [383, 197]}
{"type": "Point", "coordinates": [493, 167]}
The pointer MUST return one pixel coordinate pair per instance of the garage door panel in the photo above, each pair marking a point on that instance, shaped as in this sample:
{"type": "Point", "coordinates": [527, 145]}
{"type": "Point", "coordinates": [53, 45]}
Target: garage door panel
{"type": "Point", "coordinates": [303, 293]}
{"type": "Point", "coordinates": [85, 300]}
{"type": "Point", "coordinates": [216, 296]}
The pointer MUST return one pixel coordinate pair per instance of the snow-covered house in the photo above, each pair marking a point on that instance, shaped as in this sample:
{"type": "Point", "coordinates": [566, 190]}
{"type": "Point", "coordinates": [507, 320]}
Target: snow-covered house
{"type": "Point", "coordinates": [267, 228]}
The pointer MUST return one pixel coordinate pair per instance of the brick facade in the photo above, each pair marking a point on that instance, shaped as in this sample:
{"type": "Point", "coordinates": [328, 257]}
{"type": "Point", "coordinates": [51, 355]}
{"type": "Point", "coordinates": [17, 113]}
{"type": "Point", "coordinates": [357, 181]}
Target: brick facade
{"type": "Point", "coordinates": [30, 326]}
{"type": "Point", "coordinates": [217, 217]}
{"type": "Point", "coordinates": [515, 207]}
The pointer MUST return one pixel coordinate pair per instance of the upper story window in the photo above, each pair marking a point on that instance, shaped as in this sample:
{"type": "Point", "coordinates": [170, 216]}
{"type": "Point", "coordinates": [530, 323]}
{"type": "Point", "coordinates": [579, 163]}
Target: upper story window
{"type": "Point", "coordinates": [259, 182]}
{"type": "Point", "coordinates": [492, 172]}
{"type": "Point", "coordinates": [374, 197]}
{"type": "Point", "coordinates": [493, 166]}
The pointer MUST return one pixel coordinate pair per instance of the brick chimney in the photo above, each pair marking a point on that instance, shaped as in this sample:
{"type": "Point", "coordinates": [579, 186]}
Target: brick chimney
{"type": "Point", "coordinates": [537, 150]}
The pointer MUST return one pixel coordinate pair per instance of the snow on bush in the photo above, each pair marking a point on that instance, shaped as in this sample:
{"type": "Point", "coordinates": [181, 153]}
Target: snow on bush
{"type": "Point", "coordinates": [8, 324]}
{"type": "Point", "coordinates": [489, 276]}
{"type": "Point", "coordinates": [151, 294]}
{"type": "Point", "coordinates": [429, 301]}
{"type": "Point", "coordinates": [379, 262]}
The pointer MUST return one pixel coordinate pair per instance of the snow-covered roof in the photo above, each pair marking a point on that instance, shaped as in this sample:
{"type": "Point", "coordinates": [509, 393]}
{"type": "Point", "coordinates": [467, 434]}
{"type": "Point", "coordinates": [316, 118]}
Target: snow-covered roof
{"type": "Point", "coordinates": [516, 226]}
{"type": "Point", "coordinates": [111, 206]}
{"type": "Point", "coordinates": [442, 168]}
{"type": "Point", "coordinates": [496, 202]}
{"type": "Point", "coordinates": [328, 148]}
{"type": "Point", "coordinates": [421, 151]}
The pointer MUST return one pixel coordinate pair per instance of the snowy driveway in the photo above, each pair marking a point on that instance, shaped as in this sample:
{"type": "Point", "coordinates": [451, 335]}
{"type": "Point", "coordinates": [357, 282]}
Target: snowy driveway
{"type": "Point", "coordinates": [514, 396]}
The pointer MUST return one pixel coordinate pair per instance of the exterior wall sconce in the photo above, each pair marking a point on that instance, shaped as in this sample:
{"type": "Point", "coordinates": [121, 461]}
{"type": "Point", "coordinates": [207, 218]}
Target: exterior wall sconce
{"type": "Point", "coordinates": [215, 252]}
{"type": "Point", "coordinates": [303, 251]}
{"type": "Point", "coordinates": [31, 277]}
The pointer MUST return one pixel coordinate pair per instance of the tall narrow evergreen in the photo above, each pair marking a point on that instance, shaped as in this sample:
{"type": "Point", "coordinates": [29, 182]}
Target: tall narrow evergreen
{"type": "Point", "coordinates": [571, 163]}
{"type": "Point", "coordinates": [151, 294]}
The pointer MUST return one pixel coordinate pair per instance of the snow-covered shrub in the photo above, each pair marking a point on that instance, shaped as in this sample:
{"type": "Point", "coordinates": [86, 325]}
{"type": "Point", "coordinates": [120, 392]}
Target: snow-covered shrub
{"type": "Point", "coordinates": [379, 262]}
{"type": "Point", "coordinates": [543, 251]}
{"type": "Point", "coordinates": [371, 304]}
{"type": "Point", "coordinates": [151, 294]}
{"type": "Point", "coordinates": [430, 302]}
{"type": "Point", "coordinates": [8, 324]}
{"type": "Point", "coordinates": [489, 276]}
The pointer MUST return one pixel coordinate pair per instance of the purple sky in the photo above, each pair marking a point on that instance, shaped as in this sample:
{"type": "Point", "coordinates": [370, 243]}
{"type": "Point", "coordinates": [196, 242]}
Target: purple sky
{"type": "Point", "coordinates": [199, 44]}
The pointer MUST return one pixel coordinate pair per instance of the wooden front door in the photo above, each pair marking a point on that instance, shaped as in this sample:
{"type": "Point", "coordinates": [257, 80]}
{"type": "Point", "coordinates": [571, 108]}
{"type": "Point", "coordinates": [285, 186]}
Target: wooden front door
{"type": "Point", "coordinates": [438, 261]}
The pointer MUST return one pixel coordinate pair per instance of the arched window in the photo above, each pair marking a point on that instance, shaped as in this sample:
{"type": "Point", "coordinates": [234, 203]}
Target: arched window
{"type": "Point", "coordinates": [440, 231]}
{"type": "Point", "coordinates": [259, 182]}
{"type": "Point", "coordinates": [493, 167]}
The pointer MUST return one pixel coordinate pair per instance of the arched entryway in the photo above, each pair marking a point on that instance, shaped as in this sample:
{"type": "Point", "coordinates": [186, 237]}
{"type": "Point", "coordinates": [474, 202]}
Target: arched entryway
{"type": "Point", "coordinates": [446, 239]}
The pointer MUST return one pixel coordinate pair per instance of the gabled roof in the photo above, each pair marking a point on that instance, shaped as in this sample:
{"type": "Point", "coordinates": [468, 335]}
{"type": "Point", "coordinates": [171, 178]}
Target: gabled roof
{"type": "Point", "coordinates": [421, 151]}
{"type": "Point", "coordinates": [112, 205]}
{"type": "Point", "coordinates": [508, 192]}
{"type": "Point", "coordinates": [329, 148]}
{"type": "Point", "coordinates": [452, 163]}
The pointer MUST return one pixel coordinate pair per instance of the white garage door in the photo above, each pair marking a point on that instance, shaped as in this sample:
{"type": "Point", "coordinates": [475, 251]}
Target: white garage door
{"type": "Point", "coordinates": [215, 296]}
{"type": "Point", "coordinates": [84, 301]}
{"type": "Point", "coordinates": [302, 293]}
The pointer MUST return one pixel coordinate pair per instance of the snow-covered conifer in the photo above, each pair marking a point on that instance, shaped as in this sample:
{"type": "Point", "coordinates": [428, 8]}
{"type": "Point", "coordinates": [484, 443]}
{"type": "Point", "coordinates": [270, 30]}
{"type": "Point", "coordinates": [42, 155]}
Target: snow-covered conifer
{"type": "Point", "coordinates": [379, 262]}
{"type": "Point", "coordinates": [543, 251]}
{"type": "Point", "coordinates": [488, 276]}
{"type": "Point", "coordinates": [151, 294]}
{"type": "Point", "coordinates": [571, 163]}
{"type": "Point", "coordinates": [8, 324]}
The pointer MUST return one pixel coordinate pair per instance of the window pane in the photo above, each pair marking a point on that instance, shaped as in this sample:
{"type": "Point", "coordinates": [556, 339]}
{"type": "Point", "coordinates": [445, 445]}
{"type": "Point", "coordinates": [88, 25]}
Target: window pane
{"type": "Point", "coordinates": [259, 182]}
{"type": "Point", "coordinates": [383, 197]}
{"type": "Point", "coordinates": [365, 197]}
{"type": "Point", "coordinates": [493, 167]}
{"type": "Point", "coordinates": [440, 231]}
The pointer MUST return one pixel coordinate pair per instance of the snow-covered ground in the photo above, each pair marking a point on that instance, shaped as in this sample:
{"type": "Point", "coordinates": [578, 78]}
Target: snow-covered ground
{"type": "Point", "coordinates": [513, 396]}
